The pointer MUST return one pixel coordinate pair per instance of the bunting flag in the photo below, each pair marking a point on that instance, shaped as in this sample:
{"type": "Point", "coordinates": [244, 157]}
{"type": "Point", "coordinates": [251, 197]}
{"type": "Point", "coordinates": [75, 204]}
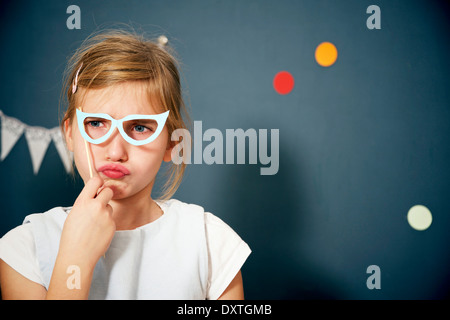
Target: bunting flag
{"type": "Point", "coordinates": [38, 140]}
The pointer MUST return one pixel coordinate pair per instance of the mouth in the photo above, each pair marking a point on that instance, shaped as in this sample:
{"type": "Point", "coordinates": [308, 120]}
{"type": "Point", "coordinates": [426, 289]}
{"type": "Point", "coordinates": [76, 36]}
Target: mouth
{"type": "Point", "coordinates": [114, 171]}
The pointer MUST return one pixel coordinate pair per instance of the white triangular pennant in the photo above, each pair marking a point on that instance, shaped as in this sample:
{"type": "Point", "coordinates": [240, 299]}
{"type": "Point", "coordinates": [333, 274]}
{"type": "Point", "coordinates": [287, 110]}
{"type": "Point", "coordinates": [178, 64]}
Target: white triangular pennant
{"type": "Point", "coordinates": [38, 140]}
{"type": "Point", "coordinates": [65, 155]}
{"type": "Point", "coordinates": [12, 129]}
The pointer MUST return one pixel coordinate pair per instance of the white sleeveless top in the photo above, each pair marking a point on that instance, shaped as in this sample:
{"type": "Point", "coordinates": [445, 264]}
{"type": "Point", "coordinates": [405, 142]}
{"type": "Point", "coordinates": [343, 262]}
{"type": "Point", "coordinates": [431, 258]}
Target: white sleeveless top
{"type": "Point", "coordinates": [185, 254]}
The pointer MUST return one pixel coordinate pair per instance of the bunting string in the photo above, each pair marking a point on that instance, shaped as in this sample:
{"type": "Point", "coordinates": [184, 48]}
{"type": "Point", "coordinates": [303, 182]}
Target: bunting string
{"type": "Point", "coordinates": [38, 140]}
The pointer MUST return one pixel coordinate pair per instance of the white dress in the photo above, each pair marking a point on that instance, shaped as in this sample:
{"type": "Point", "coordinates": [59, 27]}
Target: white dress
{"type": "Point", "coordinates": [187, 253]}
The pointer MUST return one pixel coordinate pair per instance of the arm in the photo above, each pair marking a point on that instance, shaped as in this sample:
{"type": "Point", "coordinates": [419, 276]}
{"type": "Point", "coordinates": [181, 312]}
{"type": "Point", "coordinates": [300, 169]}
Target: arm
{"type": "Point", "coordinates": [235, 290]}
{"type": "Point", "coordinates": [17, 287]}
{"type": "Point", "coordinates": [69, 284]}
{"type": "Point", "coordinates": [87, 233]}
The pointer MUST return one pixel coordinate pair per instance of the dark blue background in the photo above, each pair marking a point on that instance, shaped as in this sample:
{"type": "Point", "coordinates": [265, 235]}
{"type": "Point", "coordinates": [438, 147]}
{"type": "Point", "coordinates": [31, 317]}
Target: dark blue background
{"type": "Point", "coordinates": [361, 142]}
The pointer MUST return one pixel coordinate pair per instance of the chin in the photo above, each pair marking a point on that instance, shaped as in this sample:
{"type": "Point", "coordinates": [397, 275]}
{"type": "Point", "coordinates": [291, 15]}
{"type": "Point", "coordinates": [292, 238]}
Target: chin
{"type": "Point", "coordinates": [118, 192]}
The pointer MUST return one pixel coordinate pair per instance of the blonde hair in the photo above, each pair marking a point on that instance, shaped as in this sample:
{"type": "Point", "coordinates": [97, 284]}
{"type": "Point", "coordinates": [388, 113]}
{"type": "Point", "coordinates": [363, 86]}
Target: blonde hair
{"type": "Point", "coordinates": [117, 56]}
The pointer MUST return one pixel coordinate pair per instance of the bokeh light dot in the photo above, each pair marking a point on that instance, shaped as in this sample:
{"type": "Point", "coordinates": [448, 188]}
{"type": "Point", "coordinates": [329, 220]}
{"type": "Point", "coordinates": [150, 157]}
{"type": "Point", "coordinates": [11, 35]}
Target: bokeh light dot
{"type": "Point", "coordinates": [419, 217]}
{"type": "Point", "coordinates": [283, 82]}
{"type": "Point", "coordinates": [326, 54]}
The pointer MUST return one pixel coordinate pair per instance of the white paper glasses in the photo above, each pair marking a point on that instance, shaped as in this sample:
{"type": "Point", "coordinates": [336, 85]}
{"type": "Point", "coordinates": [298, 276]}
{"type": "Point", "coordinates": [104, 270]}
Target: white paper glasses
{"type": "Point", "coordinates": [136, 129]}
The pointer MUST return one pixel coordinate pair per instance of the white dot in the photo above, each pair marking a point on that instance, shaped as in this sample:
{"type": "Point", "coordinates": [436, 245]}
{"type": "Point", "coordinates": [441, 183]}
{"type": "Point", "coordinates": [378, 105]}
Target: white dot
{"type": "Point", "coordinates": [419, 217]}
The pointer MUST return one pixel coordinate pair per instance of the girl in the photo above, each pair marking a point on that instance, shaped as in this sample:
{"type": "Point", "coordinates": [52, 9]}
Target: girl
{"type": "Point", "coordinates": [116, 242]}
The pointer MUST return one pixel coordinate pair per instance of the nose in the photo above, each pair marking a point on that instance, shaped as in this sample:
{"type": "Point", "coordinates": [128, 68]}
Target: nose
{"type": "Point", "coordinates": [116, 148]}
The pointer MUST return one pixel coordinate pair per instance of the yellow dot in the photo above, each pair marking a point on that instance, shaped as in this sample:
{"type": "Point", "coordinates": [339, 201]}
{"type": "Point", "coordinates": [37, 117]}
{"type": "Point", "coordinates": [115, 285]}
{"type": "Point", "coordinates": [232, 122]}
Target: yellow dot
{"type": "Point", "coordinates": [419, 217]}
{"type": "Point", "coordinates": [326, 54]}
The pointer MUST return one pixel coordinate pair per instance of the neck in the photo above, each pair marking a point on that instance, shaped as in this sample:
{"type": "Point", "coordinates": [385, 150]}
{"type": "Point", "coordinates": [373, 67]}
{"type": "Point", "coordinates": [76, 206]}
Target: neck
{"type": "Point", "coordinates": [135, 211]}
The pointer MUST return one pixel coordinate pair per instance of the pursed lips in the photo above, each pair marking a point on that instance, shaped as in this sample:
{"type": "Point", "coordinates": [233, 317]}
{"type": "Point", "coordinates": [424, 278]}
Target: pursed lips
{"type": "Point", "coordinates": [114, 171]}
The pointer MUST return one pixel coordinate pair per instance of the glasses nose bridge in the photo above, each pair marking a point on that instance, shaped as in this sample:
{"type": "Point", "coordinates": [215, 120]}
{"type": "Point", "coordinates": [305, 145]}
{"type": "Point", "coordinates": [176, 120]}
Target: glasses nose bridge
{"type": "Point", "coordinates": [117, 125]}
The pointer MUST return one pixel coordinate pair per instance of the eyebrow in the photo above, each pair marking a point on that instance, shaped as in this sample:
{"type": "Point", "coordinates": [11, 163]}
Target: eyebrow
{"type": "Point", "coordinates": [102, 114]}
{"type": "Point", "coordinates": [143, 120]}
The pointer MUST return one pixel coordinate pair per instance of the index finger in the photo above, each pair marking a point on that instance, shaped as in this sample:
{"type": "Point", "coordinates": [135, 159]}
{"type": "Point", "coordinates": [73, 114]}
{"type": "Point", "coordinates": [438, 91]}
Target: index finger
{"type": "Point", "coordinates": [105, 195]}
{"type": "Point", "coordinates": [91, 188]}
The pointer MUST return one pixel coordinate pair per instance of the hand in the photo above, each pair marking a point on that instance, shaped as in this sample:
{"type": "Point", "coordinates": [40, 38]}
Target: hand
{"type": "Point", "coordinates": [89, 227]}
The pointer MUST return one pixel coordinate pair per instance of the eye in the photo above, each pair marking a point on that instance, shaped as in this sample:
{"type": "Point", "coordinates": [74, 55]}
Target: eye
{"type": "Point", "coordinates": [95, 124]}
{"type": "Point", "coordinates": [140, 128]}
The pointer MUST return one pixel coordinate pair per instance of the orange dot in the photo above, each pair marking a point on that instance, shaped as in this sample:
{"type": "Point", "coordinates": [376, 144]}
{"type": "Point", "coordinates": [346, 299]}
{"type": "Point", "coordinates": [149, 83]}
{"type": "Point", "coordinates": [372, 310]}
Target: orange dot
{"type": "Point", "coordinates": [326, 54]}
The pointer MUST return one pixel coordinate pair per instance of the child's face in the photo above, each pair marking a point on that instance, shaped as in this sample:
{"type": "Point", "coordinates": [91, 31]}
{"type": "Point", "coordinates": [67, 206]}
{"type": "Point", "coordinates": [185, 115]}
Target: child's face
{"type": "Point", "coordinates": [140, 163]}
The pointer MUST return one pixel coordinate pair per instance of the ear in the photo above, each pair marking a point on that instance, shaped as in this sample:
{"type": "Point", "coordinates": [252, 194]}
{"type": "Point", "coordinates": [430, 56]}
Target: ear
{"type": "Point", "coordinates": [68, 134]}
{"type": "Point", "coordinates": [168, 154]}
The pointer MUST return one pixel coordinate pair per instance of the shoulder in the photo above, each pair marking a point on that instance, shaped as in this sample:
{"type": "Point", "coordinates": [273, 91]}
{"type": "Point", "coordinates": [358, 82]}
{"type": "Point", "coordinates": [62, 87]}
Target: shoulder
{"type": "Point", "coordinates": [182, 214]}
{"type": "Point", "coordinates": [18, 250]}
{"type": "Point", "coordinates": [20, 235]}
{"type": "Point", "coordinates": [227, 254]}
{"type": "Point", "coordinates": [23, 234]}
{"type": "Point", "coordinates": [223, 241]}
{"type": "Point", "coordinates": [216, 225]}
{"type": "Point", "coordinates": [226, 250]}
{"type": "Point", "coordinates": [216, 228]}
{"type": "Point", "coordinates": [177, 206]}
{"type": "Point", "coordinates": [20, 247]}
{"type": "Point", "coordinates": [55, 215]}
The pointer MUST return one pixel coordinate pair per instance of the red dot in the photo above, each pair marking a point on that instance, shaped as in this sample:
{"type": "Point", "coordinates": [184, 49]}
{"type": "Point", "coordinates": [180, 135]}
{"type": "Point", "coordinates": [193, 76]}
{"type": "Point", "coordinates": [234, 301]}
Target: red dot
{"type": "Point", "coordinates": [283, 82]}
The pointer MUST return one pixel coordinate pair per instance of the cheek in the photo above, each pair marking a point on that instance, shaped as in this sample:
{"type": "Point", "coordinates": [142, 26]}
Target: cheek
{"type": "Point", "coordinates": [159, 146]}
{"type": "Point", "coordinates": [149, 157]}
{"type": "Point", "coordinates": [79, 154]}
